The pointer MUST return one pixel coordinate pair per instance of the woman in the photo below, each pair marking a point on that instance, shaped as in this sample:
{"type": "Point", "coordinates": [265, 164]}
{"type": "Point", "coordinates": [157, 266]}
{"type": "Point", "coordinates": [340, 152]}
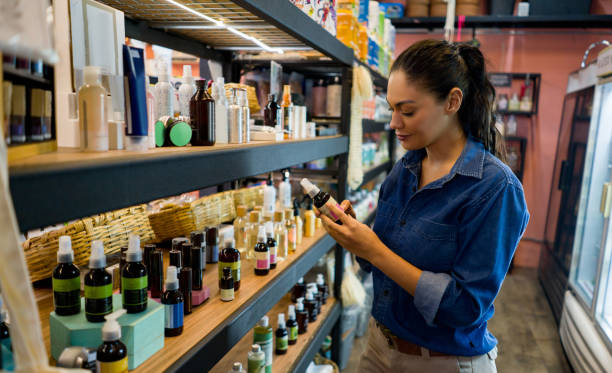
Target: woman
{"type": "Point", "coordinates": [450, 216]}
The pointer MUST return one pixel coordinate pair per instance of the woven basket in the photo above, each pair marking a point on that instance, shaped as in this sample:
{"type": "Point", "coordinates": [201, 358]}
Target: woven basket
{"type": "Point", "coordinates": [113, 228]}
{"type": "Point", "coordinates": [320, 360]}
{"type": "Point", "coordinates": [249, 197]}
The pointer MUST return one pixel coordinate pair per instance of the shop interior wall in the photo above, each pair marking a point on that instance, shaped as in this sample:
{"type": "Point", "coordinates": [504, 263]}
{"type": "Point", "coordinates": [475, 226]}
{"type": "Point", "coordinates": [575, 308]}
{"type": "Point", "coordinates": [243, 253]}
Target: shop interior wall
{"type": "Point", "coordinates": [554, 54]}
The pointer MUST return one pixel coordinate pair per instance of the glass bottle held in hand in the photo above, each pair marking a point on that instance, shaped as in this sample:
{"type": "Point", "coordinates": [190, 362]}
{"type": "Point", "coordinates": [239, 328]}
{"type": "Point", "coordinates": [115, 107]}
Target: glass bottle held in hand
{"type": "Point", "coordinates": [323, 201]}
{"type": "Point", "coordinates": [202, 112]}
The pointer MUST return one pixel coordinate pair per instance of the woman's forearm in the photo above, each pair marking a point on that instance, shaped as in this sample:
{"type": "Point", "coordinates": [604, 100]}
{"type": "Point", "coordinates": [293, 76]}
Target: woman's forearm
{"type": "Point", "coordinates": [395, 267]}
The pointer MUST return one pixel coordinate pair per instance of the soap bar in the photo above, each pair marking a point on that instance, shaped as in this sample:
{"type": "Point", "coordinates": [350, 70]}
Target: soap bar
{"type": "Point", "coordinates": [142, 333]}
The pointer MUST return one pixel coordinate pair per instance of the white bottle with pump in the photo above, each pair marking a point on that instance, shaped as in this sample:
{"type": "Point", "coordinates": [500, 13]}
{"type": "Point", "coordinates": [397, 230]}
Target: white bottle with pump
{"type": "Point", "coordinates": [92, 112]}
{"type": "Point", "coordinates": [112, 354]}
{"type": "Point", "coordinates": [284, 191]}
{"type": "Point", "coordinates": [221, 111]}
{"type": "Point", "coordinates": [186, 91]}
{"type": "Point", "coordinates": [164, 93]}
{"type": "Point", "coordinates": [269, 197]}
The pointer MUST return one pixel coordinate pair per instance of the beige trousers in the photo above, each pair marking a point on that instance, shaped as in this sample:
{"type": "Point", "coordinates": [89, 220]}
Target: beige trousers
{"type": "Point", "coordinates": [379, 357]}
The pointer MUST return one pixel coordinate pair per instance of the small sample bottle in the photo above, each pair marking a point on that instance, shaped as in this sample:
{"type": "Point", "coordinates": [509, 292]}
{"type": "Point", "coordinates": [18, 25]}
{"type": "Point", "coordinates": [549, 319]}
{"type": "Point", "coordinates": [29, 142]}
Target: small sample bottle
{"type": "Point", "coordinates": [284, 192]}
{"type": "Point", "coordinates": [92, 113]}
{"type": "Point", "coordinates": [212, 245]}
{"type": "Point", "coordinates": [112, 355]}
{"type": "Point", "coordinates": [234, 119]}
{"type": "Point", "coordinates": [240, 229]}
{"type": "Point", "coordinates": [134, 279]}
{"type": "Point", "coordinates": [230, 257]}
{"type": "Point", "coordinates": [299, 290]}
{"type": "Point", "coordinates": [186, 91]}
{"type": "Point", "coordinates": [243, 102]}
{"type": "Point", "coordinates": [263, 335]}
{"type": "Point", "coordinates": [291, 230]}
{"type": "Point", "coordinates": [17, 126]}
{"type": "Point", "coordinates": [292, 326]}
{"type": "Point", "coordinates": [186, 287]}
{"type": "Point", "coordinates": [66, 281]}
{"type": "Point", "coordinates": [299, 223]}
{"type": "Point", "coordinates": [256, 360]}
{"type": "Point", "coordinates": [311, 306]}
{"type": "Point", "coordinates": [312, 287]}
{"type": "Point", "coordinates": [176, 259]}
{"type": "Point", "coordinates": [309, 220]}
{"type": "Point", "coordinates": [321, 200]}
{"type": "Point", "coordinates": [173, 304]}
{"type": "Point", "coordinates": [202, 116]}
{"type": "Point", "coordinates": [288, 113]}
{"type": "Point", "coordinates": [262, 254]}
{"type": "Point", "coordinates": [98, 286]}
{"type": "Point", "coordinates": [164, 93]}
{"type": "Point", "coordinates": [269, 199]}
{"type": "Point", "coordinates": [282, 337]}
{"type": "Point", "coordinates": [252, 231]}
{"type": "Point", "coordinates": [272, 246]}
{"type": "Point", "coordinates": [334, 97]}
{"type": "Point", "coordinates": [196, 267]}
{"type": "Point", "coordinates": [226, 284]}
{"type": "Point", "coordinates": [323, 288]}
{"type": "Point", "coordinates": [280, 235]}
{"type": "Point", "coordinates": [157, 274]}
{"type": "Point", "coordinates": [301, 316]}
{"type": "Point", "coordinates": [237, 368]}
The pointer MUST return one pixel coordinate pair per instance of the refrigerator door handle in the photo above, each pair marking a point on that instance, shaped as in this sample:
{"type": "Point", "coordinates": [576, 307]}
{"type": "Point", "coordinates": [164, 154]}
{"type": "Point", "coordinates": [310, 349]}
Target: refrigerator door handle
{"type": "Point", "coordinates": [606, 200]}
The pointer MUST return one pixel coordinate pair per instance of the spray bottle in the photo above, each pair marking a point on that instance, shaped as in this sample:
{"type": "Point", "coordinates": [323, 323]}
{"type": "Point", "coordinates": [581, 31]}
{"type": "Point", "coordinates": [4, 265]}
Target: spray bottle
{"type": "Point", "coordinates": [272, 244]}
{"type": "Point", "coordinates": [112, 354]}
{"type": "Point", "coordinates": [284, 192]}
{"type": "Point", "coordinates": [173, 304]}
{"type": "Point", "coordinates": [292, 326]}
{"type": "Point", "coordinates": [134, 279]}
{"type": "Point", "coordinates": [98, 286]}
{"type": "Point", "coordinates": [282, 337]}
{"type": "Point", "coordinates": [66, 281]}
{"type": "Point", "coordinates": [221, 111]}
{"type": "Point", "coordinates": [186, 90]}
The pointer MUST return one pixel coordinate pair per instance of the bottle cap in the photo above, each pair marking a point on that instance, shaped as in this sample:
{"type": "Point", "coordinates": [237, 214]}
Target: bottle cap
{"type": "Point", "coordinates": [285, 175]}
{"type": "Point", "coordinates": [278, 216]}
{"type": "Point", "coordinates": [171, 278]}
{"type": "Point", "coordinates": [134, 254]}
{"type": "Point", "coordinates": [254, 217]}
{"type": "Point", "coordinates": [309, 188]}
{"type": "Point", "coordinates": [301, 281]}
{"type": "Point", "coordinates": [187, 77]}
{"type": "Point", "coordinates": [164, 75]}
{"type": "Point", "coordinates": [111, 331]}
{"type": "Point", "coordinates": [237, 367]}
{"type": "Point", "coordinates": [201, 84]}
{"type": "Point", "coordinates": [264, 321]}
{"type": "Point", "coordinates": [269, 229]}
{"type": "Point", "coordinates": [291, 312]}
{"type": "Point", "coordinates": [197, 238]}
{"type": "Point", "coordinates": [320, 279]}
{"type": "Point", "coordinates": [281, 321]}
{"type": "Point", "coordinates": [288, 214]}
{"type": "Point", "coordinates": [261, 235]}
{"type": "Point", "coordinates": [309, 295]}
{"type": "Point", "coordinates": [230, 243]}
{"type": "Point", "coordinates": [212, 236]}
{"type": "Point", "coordinates": [241, 210]}
{"type": "Point", "coordinates": [97, 258]}
{"type": "Point", "coordinates": [65, 253]}
{"type": "Point", "coordinates": [296, 207]}
{"type": "Point", "coordinates": [177, 242]}
{"type": "Point", "coordinates": [91, 74]}
{"type": "Point", "coordinates": [299, 306]}
{"type": "Point", "coordinates": [312, 287]}
{"type": "Point", "coordinates": [255, 348]}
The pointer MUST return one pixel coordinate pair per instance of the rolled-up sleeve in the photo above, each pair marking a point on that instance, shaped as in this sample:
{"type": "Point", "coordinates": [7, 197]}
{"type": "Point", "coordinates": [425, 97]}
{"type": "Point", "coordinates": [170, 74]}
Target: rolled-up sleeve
{"type": "Point", "coordinates": [490, 231]}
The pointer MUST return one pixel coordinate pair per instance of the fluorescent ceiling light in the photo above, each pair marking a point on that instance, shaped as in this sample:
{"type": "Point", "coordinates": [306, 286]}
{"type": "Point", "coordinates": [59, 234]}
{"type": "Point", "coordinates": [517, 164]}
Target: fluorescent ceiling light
{"type": "Point", "coordinates": [230, 28]}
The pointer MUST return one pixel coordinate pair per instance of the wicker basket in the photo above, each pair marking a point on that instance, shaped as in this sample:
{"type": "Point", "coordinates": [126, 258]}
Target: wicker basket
{"type": "Point", "coordinates": [113, 228]}
{"type": "Point", "coordinates": [249, 197]}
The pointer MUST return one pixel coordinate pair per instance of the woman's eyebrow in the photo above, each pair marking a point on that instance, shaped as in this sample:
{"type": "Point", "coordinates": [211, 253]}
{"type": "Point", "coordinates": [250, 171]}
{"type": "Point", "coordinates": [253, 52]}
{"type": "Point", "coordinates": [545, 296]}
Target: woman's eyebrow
{"type": "Point", "coordinates": [401, 102]}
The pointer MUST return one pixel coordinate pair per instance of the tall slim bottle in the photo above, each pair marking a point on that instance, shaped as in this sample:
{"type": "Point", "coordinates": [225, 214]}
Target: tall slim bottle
{"type": "Point", "coordinates": [309, 220]}
{"type": "Point", "coordinates": [240, 229]}
{"type": "Point", "coordinates": [186, 91]}
{"type": "Point", "coordinates": [243, 101]}
{"type": "Point", "coordinates": [288, 114]}
{"type": "Point", "coordinates": [280, 235]}
{"type": "Point", "coordinates": [202, 113]}
{"type": "Point", "coordinates": [221, 110]}
{"type": "Point", "coordinates": [92, 112]}
{"type": "Point", "coordinates": [299, 223]}
{"type": "Point", "coordinates": [291, 230]}
{"type": "Point", "coordinates": [164, 93]}
{"type": "Point", "coordinates": [273, 113]}
{"type": "Point", "coordinates": [252, 231]}
{"type": "Point", "coordinates": [234, 119]}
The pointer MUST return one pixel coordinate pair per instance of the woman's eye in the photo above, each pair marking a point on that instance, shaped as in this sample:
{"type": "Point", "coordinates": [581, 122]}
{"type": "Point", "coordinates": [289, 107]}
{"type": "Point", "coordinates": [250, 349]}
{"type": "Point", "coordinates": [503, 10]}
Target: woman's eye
{"type": "Point", "coordinates": [408, 114]}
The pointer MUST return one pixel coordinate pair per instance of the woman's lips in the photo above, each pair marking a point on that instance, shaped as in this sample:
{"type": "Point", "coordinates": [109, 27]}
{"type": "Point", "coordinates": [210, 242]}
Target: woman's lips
{"type": "Point", "coordinates": [401, 137]}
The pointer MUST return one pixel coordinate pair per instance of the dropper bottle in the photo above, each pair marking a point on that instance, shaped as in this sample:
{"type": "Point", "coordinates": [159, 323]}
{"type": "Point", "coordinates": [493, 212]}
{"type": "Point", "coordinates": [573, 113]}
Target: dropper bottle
{"type": "Point", "coordinates": [66, 281]}
{"type": "Point", "coordinates": [323, 288]}
{"type": "Point", "coordinates": [98, 286]}
{"type": "Point", "coordinates": [262, 253]}
{"type": "Point", "coordinates": [282, 337]}
{"type": "Point", "coordinates": [112, 354]}
{"type": "Point", "coordinates": [272, 244]}
{"type": "Point", "coordinates": [292, 325]}
{"type": "Point", "coordinates": [173, 304]}
{"type": "Point", "coordinates": [302, 316]}
{"type": "Point", "coordinates": [134, 279]}
{"type": "Point", "coordinates": [323, 201]}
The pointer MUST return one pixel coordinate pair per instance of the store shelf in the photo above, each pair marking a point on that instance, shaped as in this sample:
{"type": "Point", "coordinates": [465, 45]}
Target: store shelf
{"type": "Point", "coordinates": [373, 126]}
{"type": "Point", "coordinates": [299, 355]}
{"type": "Point", "coordinates": [378, 79]}
{"type": "Point", "coordinates": [371, 173]}
{"type": "Point", "coordinates": [56, 187]}
{"type": "Point", "coordinates": [13, 72]}
{"type": "Point", "coordinates": [492, 21]}
{"type": "Point", "coordinates": [212, 329]}
{"type": "Point", "coordinates": [520, 113]}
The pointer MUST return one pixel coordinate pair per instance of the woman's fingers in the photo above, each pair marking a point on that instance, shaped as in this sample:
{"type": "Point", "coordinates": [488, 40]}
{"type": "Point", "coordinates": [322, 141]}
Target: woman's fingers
{"type": "Point", "coordinates": [344, 218]}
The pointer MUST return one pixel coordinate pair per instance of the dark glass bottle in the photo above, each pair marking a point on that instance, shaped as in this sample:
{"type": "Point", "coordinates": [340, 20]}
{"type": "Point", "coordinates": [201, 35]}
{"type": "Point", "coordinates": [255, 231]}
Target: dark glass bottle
{"type": "Point", "coordinates": [176, 259]}
{"type": "Point", "coordinates": [134, 282]}
{"type": "Point", "coordinates": [186, 286]}
{"type": "Point", "coordinates": [292, 326]}
{"type": "Point", "coordinates": [323, 288]}
{"type": "Point", "coordinates": [230, 257]}
{"type": "Point", "coordinates": [272, 248]}
{"type": "Point", "coordinates": [98, 286]}
{"type": "Point", "coordinates": [301, 316]}
{"type": "Point", "coordinates": [226, 285]}
{"type": "Point", "coordinates": [111, 354]}
{"type": "Point", "coordinates": [212, 245]}
{"type": "Point", "coordinates": [202, 113]}
{"type": "Point", "coordinates": [272, 112]}
{"type": "Point", "coordinates": [282, 337]}
{"type": "Point", "coordinates": [173, 302]}
{"type": "Point", "coordinates": [311, 306]}
{"type": "Point", "coordinates": [299, 290]}
{"type": "Point", "coordinates": [146, 260]}
{"type": "Point", "coordinates": [157, 274]}
{"type": "Point", "coordinates": [262, 254]}
{"type": "Point", "coordinates": [66, 281]}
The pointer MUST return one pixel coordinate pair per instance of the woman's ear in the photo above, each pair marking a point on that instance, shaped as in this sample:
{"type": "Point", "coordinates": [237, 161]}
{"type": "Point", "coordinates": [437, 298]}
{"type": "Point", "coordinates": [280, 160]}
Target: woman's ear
{"type": "Point", "coordinates": [454, 100]}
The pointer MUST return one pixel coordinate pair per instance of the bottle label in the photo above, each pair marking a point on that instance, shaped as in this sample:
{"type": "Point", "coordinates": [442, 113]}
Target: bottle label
{"type": "Point", "coordinates": [99, 299]}
{"type": "Point", "coordinates": [134, 290]}
{"type": "Point", "coordinates": [282, 343]}
{"type": "Point", "coordinates": [262, 259]}
{"type": "Point", "coordinates": [120, 366]}
{"type": "Point", "coordinates": [227, 294]}
{"type": "Point", "coordinates": [174, 315]}
{"type": "Point", "coordinates": [66, 292]}
{"type": "Point", "coordinates": [235, 266]}
{"type": "Point", "coordinates": [293, 333]}
{"type": "Point", "coordinates": [256, 365]}
{"type": "Point", "coordinates": [326, 210]}
{"type": "Point", "coordinates": [292, 236]}
{"type": "Point", "coordinates": [264, 340]}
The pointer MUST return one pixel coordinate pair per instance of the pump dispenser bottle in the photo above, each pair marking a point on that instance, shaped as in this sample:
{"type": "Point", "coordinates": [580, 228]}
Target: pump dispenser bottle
{"type": "Point", "coordinates": [280, 235]}
{"type": "Point", "coordinates": [262, 254]}
{"type": "Point", "coordinates": [134, 279]}
{"type": "Point", "coordinates": [92, 112]}
{"type": "Point", "coordinates": [112, 356]}
{"type": "Point", "coordinates": [284, 192]}
{"type": "Point", "coordinates": [164, 93]}
{"type": "Point", "coordinates": [230, 257]}
{"type": "Point", "coordinates": [302, 316]}
{"type": "Point", "coordinates": [282, 337]}
{"type": "Point", "coordinates": [98, 286]}
{"type": "Point", "coordinates": [292, 326]}
{"type": "Point", "coordinates": [263, 337]}
{"type": "Point", "coordinates": [272, 246]}
{"type": "Point", "coordinates": [269, 197]}
{"type": "Point", "coordinates": [66, 281]}
{"type": "Point", "coordinates": [299, 290]}
{"type": "Point", "coordinates": [186, 91]}
{"type": "Point", "coordinates": [173, 304]}
{"type": "Point", "coordinates": [299, 223]}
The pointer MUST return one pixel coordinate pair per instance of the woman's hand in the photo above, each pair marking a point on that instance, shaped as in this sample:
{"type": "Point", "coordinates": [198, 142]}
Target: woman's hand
{"type": "Point", "coordinates": [354, 236]}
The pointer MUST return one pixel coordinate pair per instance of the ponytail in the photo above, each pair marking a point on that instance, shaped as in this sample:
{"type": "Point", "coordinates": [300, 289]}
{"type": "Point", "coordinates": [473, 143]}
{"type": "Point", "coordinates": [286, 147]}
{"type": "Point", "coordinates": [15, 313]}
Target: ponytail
{"type": "Point", "coordinates": [440, 66]}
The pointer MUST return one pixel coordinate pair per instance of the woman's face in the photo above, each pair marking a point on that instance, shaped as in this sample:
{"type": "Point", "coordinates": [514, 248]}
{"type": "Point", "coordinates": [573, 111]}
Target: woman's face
{"type": "Point", "coordinates": [418, 117]}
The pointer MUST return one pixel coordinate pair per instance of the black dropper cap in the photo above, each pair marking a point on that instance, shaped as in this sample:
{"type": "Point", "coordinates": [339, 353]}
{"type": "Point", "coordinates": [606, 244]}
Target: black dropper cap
{"type": "Point", "coordinates": [270, 182]}
{"type": "Point", "coordinates": [296, 207]}
{"type": "Point", "coordinates": [309, 203]}
{"type": "Point", "coordinates": [271, 97]}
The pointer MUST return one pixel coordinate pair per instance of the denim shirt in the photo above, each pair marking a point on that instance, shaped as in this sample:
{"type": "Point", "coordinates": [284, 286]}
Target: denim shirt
{"type": "Point", "coordinates": [461, 231]}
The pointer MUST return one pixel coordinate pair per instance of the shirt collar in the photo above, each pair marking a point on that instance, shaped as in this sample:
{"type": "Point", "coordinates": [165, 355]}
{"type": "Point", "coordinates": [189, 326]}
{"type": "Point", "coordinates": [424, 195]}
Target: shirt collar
{"type": "Point", "coordinates": [470, 162]}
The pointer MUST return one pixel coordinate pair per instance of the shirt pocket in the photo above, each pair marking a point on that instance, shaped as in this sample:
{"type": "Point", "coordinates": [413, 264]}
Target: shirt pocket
{"type": "Point", "coordinates": [385, 212]}
{"type": "Point", "coordinates": [429, 245]}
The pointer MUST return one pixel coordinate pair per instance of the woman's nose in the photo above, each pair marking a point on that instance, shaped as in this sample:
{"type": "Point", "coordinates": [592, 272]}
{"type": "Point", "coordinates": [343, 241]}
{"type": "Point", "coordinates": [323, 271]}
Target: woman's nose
{"type": "Point", "coordinates": [396, 121]}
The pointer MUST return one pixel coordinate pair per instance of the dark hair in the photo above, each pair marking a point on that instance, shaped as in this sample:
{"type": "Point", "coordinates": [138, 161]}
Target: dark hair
{"type": "Point", "coordinates": [439, 66]}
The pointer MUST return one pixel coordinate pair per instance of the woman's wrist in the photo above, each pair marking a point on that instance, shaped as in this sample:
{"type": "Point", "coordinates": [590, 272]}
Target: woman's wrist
{"type": "Point", "coordinates": [377, 253]}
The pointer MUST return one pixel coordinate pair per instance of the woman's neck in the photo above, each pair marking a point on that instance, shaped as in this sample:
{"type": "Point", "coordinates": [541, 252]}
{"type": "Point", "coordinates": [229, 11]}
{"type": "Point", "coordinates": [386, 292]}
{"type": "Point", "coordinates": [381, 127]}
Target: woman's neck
{"type": "Point", "coordinates": [447, 149]}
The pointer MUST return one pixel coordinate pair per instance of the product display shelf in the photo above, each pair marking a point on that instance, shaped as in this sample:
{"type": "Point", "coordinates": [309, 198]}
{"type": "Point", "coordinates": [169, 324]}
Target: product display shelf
{"type": "Point", "coordinates": [372, 172]}
{"type": "Point", "coordinates": [128, 178]}
{"type": "Point", "coordinates": [214, 327]}
{"type": "Point", "coordinates": [373, 126]}
{"type": "Point", "coordinates": [377, 78]}
{"type": "Point", "coordinates": [11, 71]}
{"type": "Point", "coordinates": [522, 113]}
{"type": "Point", "coordinates": [299, 355]}
{"type": "Point", "coordinates": [494, 21]}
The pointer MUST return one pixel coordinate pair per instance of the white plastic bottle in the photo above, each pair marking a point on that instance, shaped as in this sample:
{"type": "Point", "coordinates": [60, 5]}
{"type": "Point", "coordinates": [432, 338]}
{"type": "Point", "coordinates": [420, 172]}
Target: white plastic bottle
{"type": "Point", "coordinates": [151, 112]}
{"type": "Point", "coordinates": [269, 199]}
{"type": "Point", "coordinates": [284, 192]}
{"type": "Point", "coordinates": [186, 91]}
{"type": "Point", "coordinates": [221, 111]}
{"type": "Point", "coordinates": [92, 112]}
{"type": "Point", "coordinates": [164, 93]}
{"type": "Point", "coordinates": [511, 126]}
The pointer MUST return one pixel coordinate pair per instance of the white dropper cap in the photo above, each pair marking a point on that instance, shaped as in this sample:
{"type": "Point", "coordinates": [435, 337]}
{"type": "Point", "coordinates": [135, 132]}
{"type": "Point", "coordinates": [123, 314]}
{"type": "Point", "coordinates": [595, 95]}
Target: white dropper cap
{"type": "Point", "coordinates": [299, 306]}
{"type": "Point", "coordinates": [187, 77]}
{"type": "Point", "coordinates": [320, 279]}
{"type": "Point", "coordinates": [97, 258]}
{"type": "Point", "coordinates": [309, 295]}
{"type": "Point", "coordinates": [269, 229]}
{"type": "Point", "coordinates": [309, 188]}
{"type": "Point", "coordinates": [65, 253]}
{"type": "Point", "coordinates": [237, 367]}
{"type": "Point", "coordinates": [91, 74]}
{"type": "Point", "coordinates": [134, 254]}
{"type": "Point", "coordinates": [255, 348]}
{"type": "Point", "coordinates": [281, 321]}
{"type": "Point", "coordinates": [171, 278]}
{"type": "Point", "coordinates": [164, 75]}
{"type": "Point", "coordinates": [111, 331]}
{"type": "Point", "coordinates": [230, 243]}
{"type": "Point", "coordinates": [291, 312]}
{"type": "Point", "coordinates": [301, 280]}
{"type": "Point", "coordinates": [264, 321]}
{"type": "Point", "coordinates": [261, 235]}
